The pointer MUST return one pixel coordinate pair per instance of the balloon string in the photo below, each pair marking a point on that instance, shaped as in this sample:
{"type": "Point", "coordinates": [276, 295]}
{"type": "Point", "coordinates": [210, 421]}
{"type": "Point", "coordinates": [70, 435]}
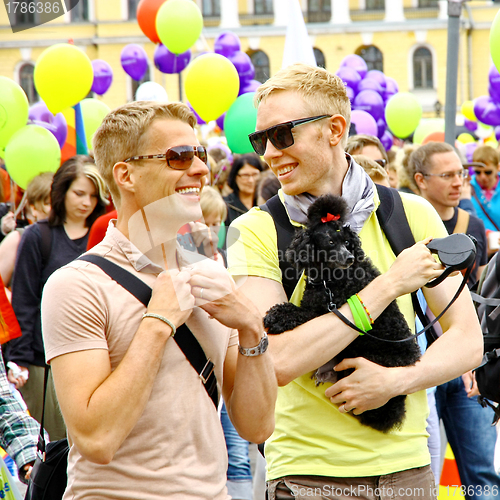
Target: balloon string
{"type": "Point", "coordinates": [204, 40]}
{"type": "Point", "coordinates": [22, 204]}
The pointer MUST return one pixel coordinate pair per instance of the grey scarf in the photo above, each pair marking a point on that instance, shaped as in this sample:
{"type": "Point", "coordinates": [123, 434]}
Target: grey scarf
{"type": "Point", "coordinates": [358, 191]}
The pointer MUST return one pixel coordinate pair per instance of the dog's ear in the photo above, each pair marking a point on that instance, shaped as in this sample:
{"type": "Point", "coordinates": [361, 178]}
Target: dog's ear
{"type": "Point", "coordinates": [300, 250]}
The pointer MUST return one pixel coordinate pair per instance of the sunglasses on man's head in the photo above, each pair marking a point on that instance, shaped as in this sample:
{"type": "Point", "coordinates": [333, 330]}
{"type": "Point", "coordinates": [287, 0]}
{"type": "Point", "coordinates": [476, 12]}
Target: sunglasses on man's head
{"type": "Point", "coordinates": [178, 157]}
{"type": "Point", "coordinates": [486, 172]}
{"type": "Point", "coordinates": [280, 135]}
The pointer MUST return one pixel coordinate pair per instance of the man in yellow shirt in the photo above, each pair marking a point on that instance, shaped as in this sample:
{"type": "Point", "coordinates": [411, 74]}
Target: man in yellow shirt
{"type": "Point", "coordinates": [318, 449]}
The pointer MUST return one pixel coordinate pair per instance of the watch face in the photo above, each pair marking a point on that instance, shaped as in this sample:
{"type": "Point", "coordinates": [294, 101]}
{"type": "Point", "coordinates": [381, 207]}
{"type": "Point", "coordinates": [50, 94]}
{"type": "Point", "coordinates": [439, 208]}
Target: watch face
{"type": "Point", "coordinates": [265, 344]}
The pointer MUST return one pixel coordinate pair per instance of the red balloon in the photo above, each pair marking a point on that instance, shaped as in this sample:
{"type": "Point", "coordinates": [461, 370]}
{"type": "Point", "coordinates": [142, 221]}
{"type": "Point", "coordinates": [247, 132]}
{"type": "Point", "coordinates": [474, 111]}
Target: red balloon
{"type": "Point", "coordinates": [146, 17]}
{"type": "Point", "coordinates": [434, 137]}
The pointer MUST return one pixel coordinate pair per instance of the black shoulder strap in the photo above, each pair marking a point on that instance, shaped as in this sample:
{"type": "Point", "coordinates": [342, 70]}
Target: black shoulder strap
{"type": "Point", "coordinates": [392, 219]}
{"type": "Point", "coordinates": [184, 338]}
{"type": "Point", "coordinates": [284, 232]}
{"type": "Point", "coordinates": [46, 235]}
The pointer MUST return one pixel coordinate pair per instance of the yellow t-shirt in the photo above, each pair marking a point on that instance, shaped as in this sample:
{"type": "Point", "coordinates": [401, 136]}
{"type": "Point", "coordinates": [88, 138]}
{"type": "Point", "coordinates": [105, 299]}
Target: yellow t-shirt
{"type": "Point", "coordinates": [311, 436]}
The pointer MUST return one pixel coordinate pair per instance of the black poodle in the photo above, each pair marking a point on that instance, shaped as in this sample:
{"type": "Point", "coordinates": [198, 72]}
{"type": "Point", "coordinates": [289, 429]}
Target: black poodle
{"type": "Point", "coordinates": [336, 267]}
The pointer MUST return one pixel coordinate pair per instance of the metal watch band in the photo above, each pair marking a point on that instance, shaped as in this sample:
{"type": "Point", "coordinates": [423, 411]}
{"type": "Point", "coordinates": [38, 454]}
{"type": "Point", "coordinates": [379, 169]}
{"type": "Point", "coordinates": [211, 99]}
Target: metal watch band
{"type": "Point", "coordinates": [259, 349]}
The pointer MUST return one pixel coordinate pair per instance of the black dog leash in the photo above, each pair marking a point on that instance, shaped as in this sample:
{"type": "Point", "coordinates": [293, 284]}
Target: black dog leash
{"type": "Point", "coordinates": [333, 308]}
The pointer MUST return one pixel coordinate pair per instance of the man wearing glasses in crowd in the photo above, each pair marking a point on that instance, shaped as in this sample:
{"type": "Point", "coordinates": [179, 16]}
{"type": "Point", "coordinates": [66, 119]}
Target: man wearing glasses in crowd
{"type": "Point", "coordinates": [142, 422]}
{"type": "Point", "coordinates": [302, 122]}
{"type": "Point", "coordinates": [440, 176]}
{"type": "Point", "coordinates": [485, 190]}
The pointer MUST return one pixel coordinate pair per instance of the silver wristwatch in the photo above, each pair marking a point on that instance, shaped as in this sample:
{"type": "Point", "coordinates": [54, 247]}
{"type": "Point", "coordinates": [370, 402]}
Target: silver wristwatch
{"type": "Point", "coordinates": [259, 349]}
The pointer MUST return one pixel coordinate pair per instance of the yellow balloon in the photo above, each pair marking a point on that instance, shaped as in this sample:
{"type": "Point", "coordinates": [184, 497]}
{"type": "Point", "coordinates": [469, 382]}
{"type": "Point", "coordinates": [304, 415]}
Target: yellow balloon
{"type": "Point", "coordinates": [211, 85]}
{"type": "Point", "coordinates": [63, 76]}
{"type": "Point", "coordinates": [468, 110]}
{"type": "Point", "coordinates": [465, 138]}
{"type": "Point", "coordinates": [426, 127]}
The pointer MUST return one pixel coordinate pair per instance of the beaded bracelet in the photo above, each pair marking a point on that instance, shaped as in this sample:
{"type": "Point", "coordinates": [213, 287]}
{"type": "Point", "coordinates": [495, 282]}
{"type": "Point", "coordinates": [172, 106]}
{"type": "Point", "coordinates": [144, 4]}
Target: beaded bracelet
{"type": "Point", "coordinates": [161, 318]}
{"type": "Point", "coordinates": [366, 309]}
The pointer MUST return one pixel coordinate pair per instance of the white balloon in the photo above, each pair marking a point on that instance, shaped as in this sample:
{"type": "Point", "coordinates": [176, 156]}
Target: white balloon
{"type": "Point", "coordinates": [151, 91]}
{"type": "Point", "coordinates": [483, 131]}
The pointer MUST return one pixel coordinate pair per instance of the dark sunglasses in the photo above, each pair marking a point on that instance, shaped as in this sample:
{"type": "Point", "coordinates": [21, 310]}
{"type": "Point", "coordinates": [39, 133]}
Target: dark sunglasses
{"type": "Point", "coordinates": [381, 162]}
{"type": "Point", "coordinates": [178, 157]}
{"type": "Point", "coordinates": [486, 172]}
{"type": "Point", "coordinates": [280, 135]}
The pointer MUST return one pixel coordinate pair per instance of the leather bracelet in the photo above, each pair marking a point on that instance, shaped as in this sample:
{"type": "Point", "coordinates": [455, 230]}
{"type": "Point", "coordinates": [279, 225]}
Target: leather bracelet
{"type": "Point", "coordinates": [161, 318]}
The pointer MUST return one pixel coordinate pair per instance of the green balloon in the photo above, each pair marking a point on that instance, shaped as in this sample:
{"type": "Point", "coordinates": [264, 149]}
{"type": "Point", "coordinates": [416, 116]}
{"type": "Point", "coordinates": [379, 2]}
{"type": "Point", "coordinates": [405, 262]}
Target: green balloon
{"type": "Point", "coordinates": [495, 41]}
{"type": "Point", "coordinates": [93, 112]}
{"type": "Point", "coordinates": [14, 108]}
{"type": "Point", "coordinates": [31, 151]}
{"type": "Point", "coordinates": [179, 24]}
{"type": "Point", "coordinates": [402, 114]}
{"type": "Point", "coordinates": [426, 127]}
{"type": "Point", "coordinates": [241, 119]}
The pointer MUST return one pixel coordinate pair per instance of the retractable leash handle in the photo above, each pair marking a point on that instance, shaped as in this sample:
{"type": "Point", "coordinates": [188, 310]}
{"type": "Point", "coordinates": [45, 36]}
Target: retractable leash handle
{"type": "Point", "coordinates": [456, 252]}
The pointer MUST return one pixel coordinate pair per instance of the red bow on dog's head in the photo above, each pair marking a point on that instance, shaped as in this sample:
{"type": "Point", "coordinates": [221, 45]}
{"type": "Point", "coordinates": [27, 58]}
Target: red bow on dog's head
{"type": "Point", "coordinates": [330, 217]}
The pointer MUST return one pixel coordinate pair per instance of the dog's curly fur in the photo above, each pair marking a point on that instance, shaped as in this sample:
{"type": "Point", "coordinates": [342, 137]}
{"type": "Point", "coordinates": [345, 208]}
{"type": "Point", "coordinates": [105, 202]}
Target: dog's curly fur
{"type": "Point", "coordinates": [332, 252]}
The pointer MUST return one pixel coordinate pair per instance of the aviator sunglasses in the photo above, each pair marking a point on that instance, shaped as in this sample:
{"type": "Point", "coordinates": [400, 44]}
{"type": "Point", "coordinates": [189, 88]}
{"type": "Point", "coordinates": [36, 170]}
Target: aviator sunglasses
{"type": "Point", "coordinates": [178, 157]}
{"type": "Point", "coordinates": [280, 135]}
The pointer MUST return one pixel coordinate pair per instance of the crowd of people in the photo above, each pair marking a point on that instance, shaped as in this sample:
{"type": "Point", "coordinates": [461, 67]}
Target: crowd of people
{"type": "Point", "coordinates": [192, 232]}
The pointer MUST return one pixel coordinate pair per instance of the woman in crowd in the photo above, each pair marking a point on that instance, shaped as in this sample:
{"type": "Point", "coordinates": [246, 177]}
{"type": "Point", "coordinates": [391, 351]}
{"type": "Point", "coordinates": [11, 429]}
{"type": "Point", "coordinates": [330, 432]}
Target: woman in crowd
{"type": "Point", "coordinates": [78, 197]}
{"type": "Point", "coordinates": [243, 179]}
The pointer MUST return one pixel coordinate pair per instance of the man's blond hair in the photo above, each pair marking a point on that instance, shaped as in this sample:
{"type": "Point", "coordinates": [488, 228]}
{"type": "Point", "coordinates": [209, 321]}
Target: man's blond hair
{"type": "Point", "coordinates": [120, 135]}
{"type": "Point", "coordinates": [323, 92]}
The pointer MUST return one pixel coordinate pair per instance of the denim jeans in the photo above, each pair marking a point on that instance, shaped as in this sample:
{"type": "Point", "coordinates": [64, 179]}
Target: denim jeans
{"type": "Point", "coordinates": [471, 437]}
{"type": "Point", "coordinates": [239, 475]}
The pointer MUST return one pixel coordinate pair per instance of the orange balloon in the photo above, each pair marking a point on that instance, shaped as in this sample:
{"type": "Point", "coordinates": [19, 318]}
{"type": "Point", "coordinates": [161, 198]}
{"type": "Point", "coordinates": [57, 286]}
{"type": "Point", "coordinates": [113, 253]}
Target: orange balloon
{"type": "Point", "coordinates": [434, 137]}
{"type": "Point", "coordinates": [146, 17]}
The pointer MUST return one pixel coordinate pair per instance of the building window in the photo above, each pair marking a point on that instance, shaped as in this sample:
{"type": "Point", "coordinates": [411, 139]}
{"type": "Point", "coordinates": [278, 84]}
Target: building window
{"type": "Point", "coordinates": [320, 58]}
{"type": "Point", "coordinates": [319, 11]}
{"type": "Point", "coordinates": [422, 69]}
{"type": "Point", "coordinates": [136, 84]}
{"type": "Point", "coordinates": [263, 6]}
{"type": "Point", "coordinates": [427, 3]}
{"type": "Point", "coordinates": [80, 12]}
{"type": "Point", "coordinates": [132, 9]}
{"type": "Point", "coordinates": [211, 8]}
{"type": "Point", "coordinates": [375, 4]}
{"type": "Point", "coordinates": [27, 83]}
{"type": "Point", "coordinates": [372, 56]}
{"type": "Point", "coordinates": [260, 62]}
{"type": "Point", "coordinates": [23, 13]}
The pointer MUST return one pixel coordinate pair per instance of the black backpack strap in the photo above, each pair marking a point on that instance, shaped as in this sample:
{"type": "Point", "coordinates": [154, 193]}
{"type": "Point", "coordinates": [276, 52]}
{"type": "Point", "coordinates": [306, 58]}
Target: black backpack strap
{"type": "Point", "coordinates": [184, 338]}
{"type": "Point", "coordinates": [285, 232]}
{"type": "Point", "coordinates": [392, 219]}
{"type": "Point", "coordinates": [46, 234]}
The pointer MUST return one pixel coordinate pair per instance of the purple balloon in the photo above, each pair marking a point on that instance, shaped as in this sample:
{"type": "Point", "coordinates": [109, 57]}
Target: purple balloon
{"type": "Point", "coordinates": [356, 62]}
{"type": "Point", "coordinates": [469, 150]}
{"type": "Point", "coordinates": [220, 121]}
{"type": "Point", "coordinates": [168, 62]}
{"type": "Point", "coordinates": [497, 133]}
{"type": "Point", "coordinates": [250, 86]}
{"type": "Point", "coordinates": [371, 102]}
{"type": "Point", "coordinates": [226, 44]}
{"type": "Point", "coordinates": [370, 84]}
{"type": "Point", "coordinates": [487, 111]}
{"type": "Point", "coordinates": [134, 61]}
{"type": "Point", "coordinates": [199, 120]}
{"type": "Point", "coordinates": [381, 127]}
{"type": "Point", "coordinates": [350, 93]}
{"type": "Point", "coordinates": [243, 65]}
{"type": "Point", "coordinates": [378, 76]}
{"type": "Point", "coordinates": [103, 76]}
{"type": "Point", "coordinates": [364, 122]}
{"type": "Point", "coordinates": [387, 140]}
{"type": "Point", "coordinates": [391, 87]}
{"type": "Point", "coordinates": [470, 125]}
{"type": "Point", "coordinates": [39, 114]}
{"type": "Point", "coordinates": [349, 76]}
{"type": "Point", "coordinates": [494, 78]}
{"type": "Point", "coordinates": [494, 93]}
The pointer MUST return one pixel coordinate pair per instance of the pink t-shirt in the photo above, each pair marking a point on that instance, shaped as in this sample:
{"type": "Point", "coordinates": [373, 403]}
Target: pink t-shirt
{"type": "Point", "coordinates": [177, 449]}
